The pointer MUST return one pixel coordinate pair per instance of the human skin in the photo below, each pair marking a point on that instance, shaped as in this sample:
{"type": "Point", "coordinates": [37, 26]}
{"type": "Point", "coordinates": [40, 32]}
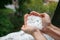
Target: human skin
{"type": "Point", "coordinates": [49, 28]}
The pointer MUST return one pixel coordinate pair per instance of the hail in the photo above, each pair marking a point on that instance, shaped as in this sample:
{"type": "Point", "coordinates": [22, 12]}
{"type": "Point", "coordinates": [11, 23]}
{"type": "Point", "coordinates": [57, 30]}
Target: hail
{"type": "Point", "coordinates": [35, 21]}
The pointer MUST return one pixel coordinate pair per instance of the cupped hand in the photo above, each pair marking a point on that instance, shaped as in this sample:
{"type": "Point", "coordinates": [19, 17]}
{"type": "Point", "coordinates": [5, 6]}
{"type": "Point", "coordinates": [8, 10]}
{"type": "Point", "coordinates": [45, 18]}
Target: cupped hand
{"type": "Point", "coordinates": [45, 17]}
{"type": "Point", "coordinates": [26, 28]}
{"type": "Point", "coordinates": [46, 21]}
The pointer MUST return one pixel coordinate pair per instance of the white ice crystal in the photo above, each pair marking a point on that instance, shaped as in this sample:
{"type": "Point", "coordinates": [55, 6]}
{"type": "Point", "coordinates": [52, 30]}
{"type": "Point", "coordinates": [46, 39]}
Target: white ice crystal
{"type": "Point", "coordinates": [35, 21]}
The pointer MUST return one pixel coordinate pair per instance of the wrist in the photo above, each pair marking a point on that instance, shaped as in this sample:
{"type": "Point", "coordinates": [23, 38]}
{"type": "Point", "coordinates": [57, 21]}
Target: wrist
{"type": "Point", "coordinates": [35, 32]}
{"type": "Point", "coordinates": [38, 35]}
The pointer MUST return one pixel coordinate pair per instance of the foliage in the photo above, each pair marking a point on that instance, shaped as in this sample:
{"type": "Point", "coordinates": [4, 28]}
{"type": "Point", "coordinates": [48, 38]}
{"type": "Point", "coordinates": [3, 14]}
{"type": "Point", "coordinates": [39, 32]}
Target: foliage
{"type": "Point", "coordinates": [22, 7]}
{"type": "Point", "coordinates": [9, 21]}
{"type": "Point", "coordinates": [52, 7]}
{"type": "Point", "coordinates": [40, 7]}
{"type": "Point", "coordinates": [5, 24]}
{"type": "Point", "coordinates": [17, 19]}
{"type": "Point", "coordinates": [4, 2]}
{"type": "Point", "coordinates": [36, 5]}
{"type": "Point", "coordinates": [6, 10]}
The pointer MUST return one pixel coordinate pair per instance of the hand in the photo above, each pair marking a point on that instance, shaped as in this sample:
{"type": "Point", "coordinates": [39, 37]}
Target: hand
{"type": "Point", "coordinates": [48, 27]}
{"type": "Point", "coordinates": [28, 29]}
{"type": "Point", "coordinates": [37, 34]}
{"type": "Point", "coordinates": [45, 17]}
{"type": "Point", "coordinates": [46, 21]}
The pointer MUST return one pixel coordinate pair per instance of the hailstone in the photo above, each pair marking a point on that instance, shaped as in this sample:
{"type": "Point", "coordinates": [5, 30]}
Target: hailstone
{"type": "Point", "coordinates": [35, 21]}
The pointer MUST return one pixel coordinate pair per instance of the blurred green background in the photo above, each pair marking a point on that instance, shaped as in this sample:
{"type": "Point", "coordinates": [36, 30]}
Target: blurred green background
{"type": "Point", "coordinates": [11, 21]}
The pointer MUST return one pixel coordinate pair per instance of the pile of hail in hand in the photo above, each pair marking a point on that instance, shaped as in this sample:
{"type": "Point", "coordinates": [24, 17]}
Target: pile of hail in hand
{"type": "Point", "coordinates": [35, 21]}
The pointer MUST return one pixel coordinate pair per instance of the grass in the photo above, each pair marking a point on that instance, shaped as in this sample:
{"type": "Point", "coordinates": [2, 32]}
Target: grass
{"type": "Point", "coordinates": [6, 10]}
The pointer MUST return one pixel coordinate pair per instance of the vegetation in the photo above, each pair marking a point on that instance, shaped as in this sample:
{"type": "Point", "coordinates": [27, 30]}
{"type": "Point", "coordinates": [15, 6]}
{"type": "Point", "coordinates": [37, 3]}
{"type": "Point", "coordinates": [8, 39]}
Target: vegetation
{"type": "Point", "coordinates": [5, 24]}
{"type": "Point", "coordinates": [4, 2]}
{"type": "Point", "coordinates": [52, 8]}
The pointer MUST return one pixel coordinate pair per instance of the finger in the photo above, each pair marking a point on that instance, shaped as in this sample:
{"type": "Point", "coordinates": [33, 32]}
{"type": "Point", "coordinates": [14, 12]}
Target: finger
{"type": "Point", "coordinates": [34, 13]}
{"type": "Point", "coordinates": [42, 15]}
{"type": "Point", "coordinates": [46, 16]}
{"type": "Point", "coordinates": [25, 18]}
{"type": "Point", "coordinates": [23, 27]}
